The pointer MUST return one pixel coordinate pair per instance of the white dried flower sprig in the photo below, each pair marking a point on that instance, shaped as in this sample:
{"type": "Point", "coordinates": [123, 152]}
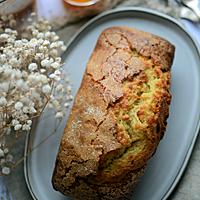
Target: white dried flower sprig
{"type": "Point", "coordinates": [31, 78]}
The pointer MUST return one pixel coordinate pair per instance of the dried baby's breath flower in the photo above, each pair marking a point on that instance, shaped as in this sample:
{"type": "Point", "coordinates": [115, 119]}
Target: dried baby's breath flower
{"type": "Point", "coordinates": [31, 79]}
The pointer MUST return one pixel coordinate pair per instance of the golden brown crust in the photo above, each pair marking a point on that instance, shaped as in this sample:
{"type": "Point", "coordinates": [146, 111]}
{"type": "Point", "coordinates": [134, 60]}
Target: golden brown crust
{"type": "Point", "coordinates": [118, 117]}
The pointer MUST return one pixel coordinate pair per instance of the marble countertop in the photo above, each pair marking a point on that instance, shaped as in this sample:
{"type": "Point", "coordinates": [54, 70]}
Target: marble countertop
{"type": "Point", "coordinates": [187, 189]}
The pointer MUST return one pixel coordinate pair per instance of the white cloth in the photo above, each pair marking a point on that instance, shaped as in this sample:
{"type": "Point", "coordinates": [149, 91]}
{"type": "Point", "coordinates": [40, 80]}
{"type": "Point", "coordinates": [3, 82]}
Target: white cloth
{"type": "Point", "coordinates": [193, 28]}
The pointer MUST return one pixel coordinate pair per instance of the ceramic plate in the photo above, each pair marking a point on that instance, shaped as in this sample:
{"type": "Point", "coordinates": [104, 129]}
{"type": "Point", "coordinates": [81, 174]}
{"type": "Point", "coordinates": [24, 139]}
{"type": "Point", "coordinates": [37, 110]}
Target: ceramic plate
{"type": "Point", "coordinates": [166, 167]}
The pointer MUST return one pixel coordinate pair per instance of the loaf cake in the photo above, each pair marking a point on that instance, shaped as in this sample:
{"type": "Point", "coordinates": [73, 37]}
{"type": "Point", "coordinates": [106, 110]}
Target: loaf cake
{"type": "Point", "coordinates": [118, 117]}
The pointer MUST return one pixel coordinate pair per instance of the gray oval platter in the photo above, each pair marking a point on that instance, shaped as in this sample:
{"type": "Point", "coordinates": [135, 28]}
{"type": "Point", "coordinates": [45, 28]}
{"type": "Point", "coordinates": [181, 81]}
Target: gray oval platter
{"type": "Point", "coordinates": [166, 167]}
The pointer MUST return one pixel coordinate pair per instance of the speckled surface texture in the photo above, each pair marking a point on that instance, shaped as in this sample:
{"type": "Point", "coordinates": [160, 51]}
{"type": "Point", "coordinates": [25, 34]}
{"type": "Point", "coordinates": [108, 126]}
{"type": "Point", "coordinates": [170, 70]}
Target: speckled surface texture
{"type": "Point", "coordinates": [14, 186]}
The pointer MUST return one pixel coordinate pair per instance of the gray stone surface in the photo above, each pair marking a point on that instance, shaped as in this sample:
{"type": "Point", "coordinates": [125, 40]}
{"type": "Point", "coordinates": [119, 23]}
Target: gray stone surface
{"type": "Point", "coordinates": [187, 189]}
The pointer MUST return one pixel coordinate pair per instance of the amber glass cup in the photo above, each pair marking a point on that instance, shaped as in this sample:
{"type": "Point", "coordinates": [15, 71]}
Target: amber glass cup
{"type": "Point", "coordinates": [83, 8]}
{"type": "Point", "coordinates": [81, 3]}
